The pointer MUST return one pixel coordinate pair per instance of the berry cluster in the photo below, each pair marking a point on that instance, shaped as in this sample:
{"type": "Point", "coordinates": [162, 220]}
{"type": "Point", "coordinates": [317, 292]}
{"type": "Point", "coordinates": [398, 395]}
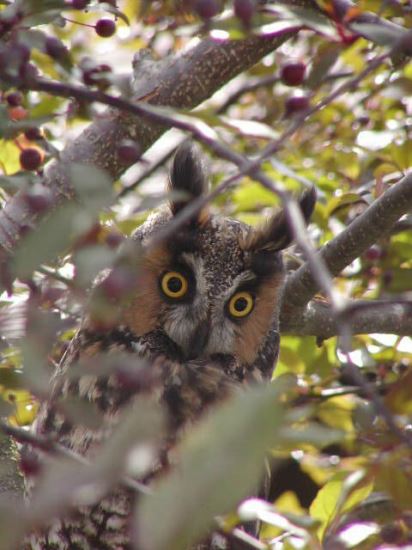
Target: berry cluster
{"type": "Point", "coordinates": [293, 74]}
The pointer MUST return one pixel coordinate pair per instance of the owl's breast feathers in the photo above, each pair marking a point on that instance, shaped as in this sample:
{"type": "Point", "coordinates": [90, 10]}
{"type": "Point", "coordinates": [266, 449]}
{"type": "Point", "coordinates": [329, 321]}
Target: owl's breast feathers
{"type": "Point", "coordinates": [110, 368]}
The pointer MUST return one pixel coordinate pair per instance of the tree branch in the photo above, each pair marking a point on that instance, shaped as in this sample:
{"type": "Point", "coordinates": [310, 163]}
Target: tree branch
{"type": "Point", "coordinates": [366, 229]}
{"type": "Point", "coordinates": [365, 317]}
{"type": "Point", "coordinates": [183, 82]}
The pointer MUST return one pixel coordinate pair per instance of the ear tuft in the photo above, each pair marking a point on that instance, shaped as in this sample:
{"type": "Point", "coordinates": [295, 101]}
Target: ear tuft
{"type": "Point", "coordinates": [188, 176]}
{"type": "Point", "coordinates": [276, 234]}
{"type": "Point", "coordinates": [307, 203]}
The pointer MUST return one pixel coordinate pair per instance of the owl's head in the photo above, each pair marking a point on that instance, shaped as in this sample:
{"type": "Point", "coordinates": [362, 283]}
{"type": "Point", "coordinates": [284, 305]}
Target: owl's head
{"type": "Point", "coordinates": [214, 287]}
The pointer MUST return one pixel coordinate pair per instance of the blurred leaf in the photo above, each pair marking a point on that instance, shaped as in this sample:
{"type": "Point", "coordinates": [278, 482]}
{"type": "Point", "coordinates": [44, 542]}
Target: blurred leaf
{"type": "Point", "coordinates": [326, 56]}
{"type": "Point", "coordinates": [308, 18]}
{"type": "Point", "coordinates": [399, 397]}
{"type": "Point", "coordinates": [66, 481]}
{"type": "Point", "coordinates": [9, 155]}
{"type": "Point", "coordinates": [383, 35]}
{"type": "Point", "coordinates": [251, 128]}
{"type": "Point", "coordinates": [93, 186]}
{"type": "Point", "coordinates": [11, 378]}
{"type": "Point", "coordinates": [252, 196]}
{"type": "Point", "coordinates": [221, 462]}
{"type": "Point", "coordinates": [297, 525]}
{"type": "Point", "coordinates": [337, 412]}
{"type": "Point", "coordinates": [5, 408]}
{"type": "Point", "coordinates": [81, 412]}
{"type": "Point", "coordinates": [51, 237]}
{"type": "Point", "coordinates": [310, 433]}
{"type": "Point", "coordinates": [395, 480]}
{"type": "Point", "coordinates": [341, 493]}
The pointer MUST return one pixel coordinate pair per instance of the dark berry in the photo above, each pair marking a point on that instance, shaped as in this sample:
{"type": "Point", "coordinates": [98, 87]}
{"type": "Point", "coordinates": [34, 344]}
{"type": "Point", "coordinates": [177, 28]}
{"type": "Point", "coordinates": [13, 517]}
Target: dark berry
{"type": "Point", "coordinates": [30, 159]}
{"type": "Point", "coordinates": [21, 52]}
{"type": "Point", "coordinates": [387, 277]}
{"type": "Point", "coordinates": [55, 48]}
{"type": "Point", "coordinates": [79, 4]}
{"type": "Point", "coordinates": [373, 253]}
{"type": "Point", "coordinates": [363, 120]}
{"type": "Point", "coordinates": [28, 71]}
{"type": "Point", "coordinates": [392, 533]}
{"type": "Point", "coordinates": [14, 99]}
{"type": "Point", "coordinates": [96, 76]}
{"type": "Point", "coordinates": [38, 199]}
{"type": "Point", "coordinates": [105, 27]}
{"type": "Point", "coordinates": [296, 104]}
{"type": "Point", "coordinates": [293, 74]}
{"type": "Point", "coordinates": [118, 283]}
{"type": "Point", "coordinates": [30, 464]}
{"type": "Point", "coordinates": [33, 134]}
{"type": "Point", "coordinates": [114, 239]}
{"type": "Point", "coordinates": [244, 10]}
{"type": "Point", "coordinates": [206, 8]}
{"type": "Point", "coordinates": [128, 151]}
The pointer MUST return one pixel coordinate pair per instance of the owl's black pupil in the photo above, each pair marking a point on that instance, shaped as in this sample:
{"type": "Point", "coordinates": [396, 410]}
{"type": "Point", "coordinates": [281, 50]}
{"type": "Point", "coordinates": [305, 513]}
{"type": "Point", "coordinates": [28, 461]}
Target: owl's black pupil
{"type": "Point", "coordinates": [174, 284]}
{"type": "Point", "coordinates": [241, 304]}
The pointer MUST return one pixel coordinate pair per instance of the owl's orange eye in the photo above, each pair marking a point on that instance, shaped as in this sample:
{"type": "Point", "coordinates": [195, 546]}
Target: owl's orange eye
{"type": "Point", "coordinates": [241, 304]}
{"type": "Point", "coordinates": [174, 284]}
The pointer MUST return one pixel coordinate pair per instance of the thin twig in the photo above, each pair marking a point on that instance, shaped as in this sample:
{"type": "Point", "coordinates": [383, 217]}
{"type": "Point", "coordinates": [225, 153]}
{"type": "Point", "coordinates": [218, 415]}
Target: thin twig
{"type": "Point", "coordinates": [49, 446]}
{"type": "Point", "coordinates": [369, 389]}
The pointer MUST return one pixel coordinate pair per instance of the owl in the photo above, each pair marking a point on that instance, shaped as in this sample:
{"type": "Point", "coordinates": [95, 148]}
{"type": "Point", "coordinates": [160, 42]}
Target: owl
{"type": "Point", "coordinates": [201, 312]}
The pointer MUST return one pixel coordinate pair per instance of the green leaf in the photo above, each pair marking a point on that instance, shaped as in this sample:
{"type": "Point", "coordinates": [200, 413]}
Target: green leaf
{"type": "Point", "coordinates": [326, 56]}
{"type": "Point", "coordinates": [221, 462]}
{"type": "Point", "coordinates": [93, 186]}
{"type": "Point", "coordinates": [51, 237]}
{"type": "Point", "coordinates": [341, 493]}
{"type": "Point", "coordinates": [384, 35]}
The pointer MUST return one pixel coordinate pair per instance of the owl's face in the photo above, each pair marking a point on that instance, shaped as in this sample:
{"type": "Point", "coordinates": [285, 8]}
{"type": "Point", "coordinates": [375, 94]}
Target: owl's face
{"type": "Point", "coordinates": [215, 286]}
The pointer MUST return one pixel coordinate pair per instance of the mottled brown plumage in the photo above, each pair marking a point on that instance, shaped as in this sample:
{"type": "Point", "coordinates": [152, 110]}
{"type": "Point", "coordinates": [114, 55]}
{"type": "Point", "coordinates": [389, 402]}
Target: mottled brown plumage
{"type": "Point", "coordinates": [200, 319]}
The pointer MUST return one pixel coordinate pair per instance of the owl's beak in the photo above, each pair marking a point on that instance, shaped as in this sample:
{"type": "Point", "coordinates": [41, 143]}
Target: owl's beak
{"type": "Point", "coordinates": [198, 340]}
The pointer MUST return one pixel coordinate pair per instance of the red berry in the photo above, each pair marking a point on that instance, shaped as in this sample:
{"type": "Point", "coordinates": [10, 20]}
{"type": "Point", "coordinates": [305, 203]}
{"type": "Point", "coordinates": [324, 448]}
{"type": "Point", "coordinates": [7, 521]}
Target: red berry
{"type": "Point", "coordinates": [30, 464]}
{"type": "Point", "coordinates": [128, 151]}
{"type": "Point", "coordinates": [293, 74]}
{"type": "Point", "coordinates": [296, 104]}
{"type": "Point", "coordinates": [55, 48]}
{"type": "Point", "coordinates": [206, 8]}
{"type": "Point", "coordinates": [14, 99]}
{"type": "Point", "coordinates": [30, 159]}
{"type": "Point", "coordinates": [33, 134]}
{"type": "Point", "coordinates": [244, 10]}
{"type": "Point", "coordinates": [79, 4]}
{"type": "Point", "coordinates": [105, 27]}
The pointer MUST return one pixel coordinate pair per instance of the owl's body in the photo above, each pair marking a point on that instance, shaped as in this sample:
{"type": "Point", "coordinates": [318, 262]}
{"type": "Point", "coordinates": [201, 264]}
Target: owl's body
{"type": "Point", "coordinates": [200, 319]}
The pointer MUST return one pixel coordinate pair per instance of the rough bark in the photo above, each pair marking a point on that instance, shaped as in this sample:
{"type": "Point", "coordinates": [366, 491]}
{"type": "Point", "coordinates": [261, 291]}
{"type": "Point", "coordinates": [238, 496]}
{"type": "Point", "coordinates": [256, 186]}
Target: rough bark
{"type": "Point", "coordinates": [183, 82]}
{"type": "Point", "coordinates": [338, 253]}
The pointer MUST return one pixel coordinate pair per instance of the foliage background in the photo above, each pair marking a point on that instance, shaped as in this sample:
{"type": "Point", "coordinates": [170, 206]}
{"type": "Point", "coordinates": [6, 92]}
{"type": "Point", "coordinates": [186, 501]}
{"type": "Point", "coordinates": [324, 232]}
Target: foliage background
{"type": "Point", "coordinates": [337, 436]}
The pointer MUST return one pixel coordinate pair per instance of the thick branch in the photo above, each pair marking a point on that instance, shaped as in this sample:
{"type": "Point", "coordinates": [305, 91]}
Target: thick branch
{"type": "Point", "coordinates": [11, 481]}
{"type": "Point", "coordinates": [183, 82]}
{"type": "Point", "coordinates": [366, 229]}
{"type": "Point", "coordinates": [365, 318]}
